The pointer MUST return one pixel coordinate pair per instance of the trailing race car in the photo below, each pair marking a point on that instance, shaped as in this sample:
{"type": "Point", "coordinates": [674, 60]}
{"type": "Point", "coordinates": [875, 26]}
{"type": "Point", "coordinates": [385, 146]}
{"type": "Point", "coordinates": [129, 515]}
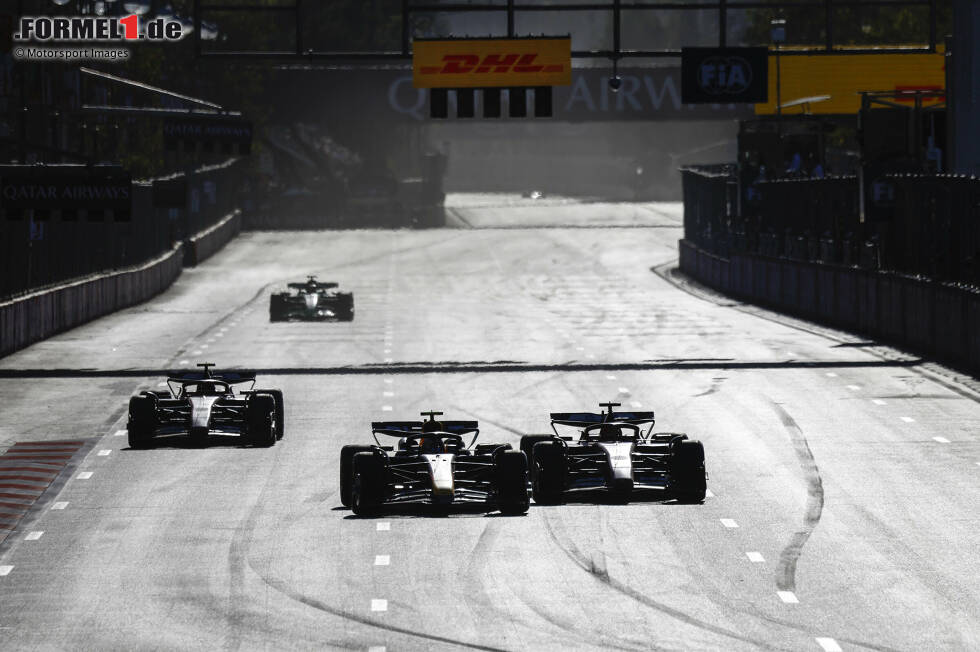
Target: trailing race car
{"type": "Point", "coordinates": [615, 451]}
{"type": "Point", "coordinates": [432, 465]}
{"type": "Point", "coordinates": [203, 403]}
{"type": "Point", "coordinates": [311, 301]}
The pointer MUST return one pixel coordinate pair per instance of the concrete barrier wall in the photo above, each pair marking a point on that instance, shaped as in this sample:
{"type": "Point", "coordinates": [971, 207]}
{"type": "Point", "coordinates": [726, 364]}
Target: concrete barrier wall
{"type": "Point", "coordinates": [209, 241]}
{"type": "Point", "coordinates": [41, 314]}
{"type": "Point", "coordinates": [939, 320]}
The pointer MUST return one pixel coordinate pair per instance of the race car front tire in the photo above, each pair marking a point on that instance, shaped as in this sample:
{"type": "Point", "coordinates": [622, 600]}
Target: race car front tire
{"type": "Point", "coordinates": [369, 482]}
{"type": "Point", "coordinates": [347, 454]}
{"type": "Point", "coordinates": [277, 308]}
{"type": "Point", "coordinates": [527, 446]}
{"type": "Point", "coordinates": [510, 469]}
{"type": "Point", "coordinates": [276, 395]}
{"type": "Point", "coordinates": [687, 479]}
{"type": "Point", "coordinates": [551, 466]}
{"type": "Point", "coordinates": [142, 420]}
{"type": "Point", "coordinates": [260, 417]}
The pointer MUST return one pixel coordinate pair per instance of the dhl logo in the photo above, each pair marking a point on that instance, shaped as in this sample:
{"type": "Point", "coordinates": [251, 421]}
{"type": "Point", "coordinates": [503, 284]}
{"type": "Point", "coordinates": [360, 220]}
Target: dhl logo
{"type": "Point", "coordinates": [486, 63]}
{"type": "Point", "coordinates": [456, 64]}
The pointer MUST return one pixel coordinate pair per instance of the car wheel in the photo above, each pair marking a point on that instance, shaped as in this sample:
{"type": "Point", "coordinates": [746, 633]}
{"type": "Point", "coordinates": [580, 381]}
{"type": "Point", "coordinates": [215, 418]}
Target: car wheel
{"type": "Point", "coordinates": [142, 421]}
{"type": "Point", "coordinates": [260, 416]}
{"type": "Point", "coordinates": [276, 395]}
{"type": "Point", "coordinates": [548, 483]}
{"type": "Point", "coordinates": [347, 454]}
{"type": "Point", "coordinates": [369, 482]}
{"type": "Point", "coordinates": [688, 482]}
{"type": "Point", "coordinates": [510, 469]}
{"type": "Point", "coordinates": [527, 446]}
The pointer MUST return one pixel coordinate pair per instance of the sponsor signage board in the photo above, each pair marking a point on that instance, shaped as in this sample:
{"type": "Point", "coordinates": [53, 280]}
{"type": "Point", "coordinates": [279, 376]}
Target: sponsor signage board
{"type": "Point", "coordinates": [219, 131]}
{"type": "Point", "coordinates": [712, 75]}
{"type": "Point", "coordinates": [492, 63]}
{"type": "Point", "coordinates": [42, 188]}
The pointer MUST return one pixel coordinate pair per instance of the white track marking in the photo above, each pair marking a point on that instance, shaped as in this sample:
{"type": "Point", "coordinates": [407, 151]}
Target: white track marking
{"type": "Point", "coordinates": [198, 352]}
{"type": "Point", "coordinates": [636, 404]}
{"type": "Point", "coordinates": [223, 329]}
{"type": "Point", "coordinates": [387, 351]}
{"type": "Point", "coordinates": [908, 419]}
{"type": "Point", "coordinates": [387, 394]}
{"type": "Point", "coordinates": [203, 346]}
{"type": "Point", "coordinates": [590, 356]}
{"type": "Point", "coordinates": [384, 526]}
{"type": "Point", "coordinates": [708, 493]}
{"type": "Point", "coordinates": [755, 557]}
{"type": "Point", "coordinates": [386, 408]}
{"type": "Point", "coordinates": [579, 348]}
{"type": "Point", "coordinates": [831, 374]}
{"type": "Point", "coordinates": [184, 362]}
{"type": "Point", "coordinates": [388, 360]}
{"type": "Point", "coordinates": [389, 381]}
{"type": "Point", "coordinates": [35, 535]}
{"type": "Point", "coordinates": [379, 605]}
{"type": "Point", "coordinates": [610, 378]}
{"type": "Point", "coordinates": [84, 475]}
{"type": "Point", "coordinates": [941, 440]}
{"type": "Point", "coordinates": [624, 390]}
{"type": "Point", "coordinates": [788, 597]}
{"type": "Point", "coordinates": [377, 648]}
{"type": "Point", "coordinates": [5, 570]}
{"type": "Point", "coordinates": [60, 505]}
{"type": "Point", "coordinates": [854, 388]}
{"type": "Point", "coordinates": [729, 522]}
{"type": "Point", "coordinates": [878, 401]}
{"type": "Point", "coordinates": [120, 433]}
{"type": "Point", "coordinates": [828, 644]}
{"type": "Point", "coordinates": [104, 452]}
{"type": "Point", "coordinates": [219, 334]}
{"type": "Point", "coordinates": [382, 560]}
{"type": "Point", "coordinates": [791, 354]}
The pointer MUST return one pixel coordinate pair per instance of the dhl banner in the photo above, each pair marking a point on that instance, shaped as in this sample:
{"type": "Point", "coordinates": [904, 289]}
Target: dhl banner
{"type": "Point", "coordinates": [844, 76]}
{"type": "Point", "coordinates": [484, 63]}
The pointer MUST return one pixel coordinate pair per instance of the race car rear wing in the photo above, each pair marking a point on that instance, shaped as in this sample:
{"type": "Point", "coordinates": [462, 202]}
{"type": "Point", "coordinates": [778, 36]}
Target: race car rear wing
{"type": "Point", "coordinates": [406, 428]}
{"type": "Point", "coordinates": [589, 418]}
{"type": "Point", "coordinates": [319, 285]}
{"type": "Point", "coordinates": [230, 377]}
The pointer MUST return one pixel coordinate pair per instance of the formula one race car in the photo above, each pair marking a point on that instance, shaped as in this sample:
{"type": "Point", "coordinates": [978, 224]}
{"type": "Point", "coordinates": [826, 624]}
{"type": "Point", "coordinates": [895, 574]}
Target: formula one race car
{"type": "Point", "coordinates": [615, 452]}
{"type": "Point", "coordinates": [311, 301]}
{"type": "Point", "coordinates": [203, 403]}
{"type": "Point", "coordinates": [431, 464]}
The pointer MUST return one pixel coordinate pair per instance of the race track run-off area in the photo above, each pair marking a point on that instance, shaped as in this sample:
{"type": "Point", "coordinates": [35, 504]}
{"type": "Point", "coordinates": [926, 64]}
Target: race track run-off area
{"type": "Point", "coordinates": [842, 511]}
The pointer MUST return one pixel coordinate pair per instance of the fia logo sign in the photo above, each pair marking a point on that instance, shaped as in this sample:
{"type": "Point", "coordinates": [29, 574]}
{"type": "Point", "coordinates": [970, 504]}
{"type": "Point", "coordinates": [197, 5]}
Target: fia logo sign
{"type": "Point", "coordinates": [724, 75]}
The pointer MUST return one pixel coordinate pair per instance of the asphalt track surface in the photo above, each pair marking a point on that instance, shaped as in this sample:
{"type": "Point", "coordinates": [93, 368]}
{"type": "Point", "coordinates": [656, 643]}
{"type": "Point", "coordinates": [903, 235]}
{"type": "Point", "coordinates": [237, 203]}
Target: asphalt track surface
{"type": "Point", "coordinates": [844, 506]}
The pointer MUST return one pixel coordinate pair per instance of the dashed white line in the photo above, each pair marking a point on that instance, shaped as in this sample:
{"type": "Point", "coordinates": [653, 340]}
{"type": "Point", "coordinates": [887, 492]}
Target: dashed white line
{"type": "Point", "coordinates": [788, 597]}
{"type": "Point", "coordinates": [383, 526]}
{"type": "Point", "coordinates": [387, 394]}
{"type": "Point", "coordinates": [84, 475]}
{"type": "Point", "coordinates": [35, 535]}
{"type": "Point", "coordinates": [219, 334]}
{"type": "Point", "coordinates": [791, 354]}
{"type": "Point", "coordinates": [636, 404]}
{"type": "Point", "coordinates": [610, 378]}
{"type": "Point", "coordinates": [382, 560]}
{"type": "Point", "coordinates": [831, 374]}
{"type": "Point", "coordinates": [729, 522]}
{"type": "Point", "coordinates": [908, 419]}
{"type": "Point", "coordinates": [379, 605]}
{"type": "Point", "coordinates": [377, 648]}
{"type": "Point", "coordinates": [878, 401]}
{"type": "Point", "coordinates": [198, 352]}
{"type": "Point", "coordinates": [104, 452]}
{"type": "Point", "coordinates": [854, 388]}
{"type": "Point", "coordinates": [387, 351]}
{"type": "Point", "coordinates": [389, 381]}
{"type": "Point", "coordinates": [386, 408]}
{"type": "Point", "coordinates": [5, 570]}
{"type": "Point", "coordinates": [708, 493]}
{"type": "Point", "coordinates": [579, 348]}
{"type": "Point", "coordinates": [120, 433]}
{"type": "Point", "coordinates": [60, 505]}
{"type": "Point", "coordinates": [624, 390]}
{"type": "Point", "coordinates": [203, 346]}
{"type": "Point", "coordinates": [184, 362]}
{"type": "Point", "coordinates": [755, 557]}
{"type": "Point", "coordinates": [828, 644]}
{"type": "Point", "coordinates": [941, 440]}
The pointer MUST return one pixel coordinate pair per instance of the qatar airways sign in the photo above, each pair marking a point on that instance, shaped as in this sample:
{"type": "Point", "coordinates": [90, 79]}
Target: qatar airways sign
{"type": "Point", "coordinates": [33, 188]}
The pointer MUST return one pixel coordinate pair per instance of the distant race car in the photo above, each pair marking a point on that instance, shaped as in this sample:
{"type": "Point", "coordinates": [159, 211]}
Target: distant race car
{"type": "Point", "coordinates": [432, 465]}
{"type": "Point", "coordinates": [617, 452]}
{"type": "Point", "coordinates": [203, 403]}
{"type": "Point", "coordinates": [311, 301]}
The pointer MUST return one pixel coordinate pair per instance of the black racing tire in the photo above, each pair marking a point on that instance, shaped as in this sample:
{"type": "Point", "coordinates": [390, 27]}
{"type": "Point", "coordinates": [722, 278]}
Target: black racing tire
{"type": "Point", "coordinates": [345, 308]}
{"type": "Point", "coordinates": [260, 420]}
{"type": "Point", "coordinates": [687, 480]}
{"type": "Point", "coordinates": [527, 446]}
{"type": "Point", "coordinates": [142, 421]}
{"type": "Point", "coordinates": [510, 476]}
{"type": "Point", "coordinates": [369, 484]}
{"type": "Point", "coordinates": [347, 454]}
{"type": "Point", "coordinates": [551, 467]}
{"type": "Point", "coordinates": [277, 308]}
{"type": "Point", "coordinates": [276, 395]}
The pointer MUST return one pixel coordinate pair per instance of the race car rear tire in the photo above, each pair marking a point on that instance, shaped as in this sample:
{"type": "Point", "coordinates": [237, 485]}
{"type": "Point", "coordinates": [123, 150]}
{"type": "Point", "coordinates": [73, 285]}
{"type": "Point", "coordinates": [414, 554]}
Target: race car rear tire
{"type": "Point", "coordinates": [345, 309]}
{"type": "Point", "coordinates": [347, 454]}
{"type": "Point", "coordinates": [510, 471]}
{"type": "Point", "coordinates": [260, 420]}
{"type": "Point", "coordinates": [142, 420]}
{"type": "Point", "coordinates": [277, 308]}
{"type": "Point", "coordinates": [527, 446]}
{"type": "Point", "coordinates": [369, 483]}
{"type": "Point", "coordinates": [276, 395]}
{"type": "Point", "coordinates": [551, 467]}
{"type": "Point", "coordinates": [687, 479]}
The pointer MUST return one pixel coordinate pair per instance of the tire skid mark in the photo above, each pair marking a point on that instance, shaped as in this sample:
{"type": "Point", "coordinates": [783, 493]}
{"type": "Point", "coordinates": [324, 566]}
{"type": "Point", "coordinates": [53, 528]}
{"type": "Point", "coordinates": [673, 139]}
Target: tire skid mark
{"type": "Point", "coordinates": [586, 563]}
{"type": "Point", "coordinates": [788, 558]}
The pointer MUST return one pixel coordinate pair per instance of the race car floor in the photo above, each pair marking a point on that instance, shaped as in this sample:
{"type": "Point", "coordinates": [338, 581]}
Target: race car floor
{"type": "Point", "coordinates": [844, 504]}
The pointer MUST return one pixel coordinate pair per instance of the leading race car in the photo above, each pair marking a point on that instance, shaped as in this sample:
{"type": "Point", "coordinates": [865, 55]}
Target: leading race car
{"type": "Point", "coordinates": [311, 300]}
{"type": "Point", "coordinates": [617, 452]}
{"type": "Point", "coordinates": [203, 403]}
{"type": "Point", "coordinates": [431, 464]}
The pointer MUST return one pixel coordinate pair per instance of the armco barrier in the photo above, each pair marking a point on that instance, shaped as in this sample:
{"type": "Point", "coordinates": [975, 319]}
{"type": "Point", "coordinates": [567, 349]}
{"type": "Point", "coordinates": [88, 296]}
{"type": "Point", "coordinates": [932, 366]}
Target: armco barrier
{"type": "Point", "coordinates": [209, 241]}
{"type": "Point", "coordinates": [936, 319]}
{"type": "Point", "coordinates": [41, 314]}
